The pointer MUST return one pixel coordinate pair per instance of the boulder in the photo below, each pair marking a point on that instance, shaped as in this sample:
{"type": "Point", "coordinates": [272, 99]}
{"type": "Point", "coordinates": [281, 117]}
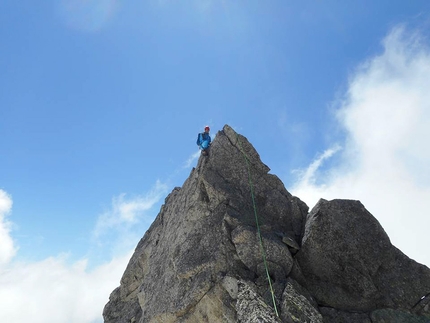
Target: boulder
{"type": "Point", "coordinates": [350, 264]}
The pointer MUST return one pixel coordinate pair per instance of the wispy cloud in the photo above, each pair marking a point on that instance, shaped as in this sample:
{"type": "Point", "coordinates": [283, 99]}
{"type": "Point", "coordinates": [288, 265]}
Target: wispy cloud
{"type": "Point", "coordinates": [190, 161]}
{"type": "Point", "coordinates": [309, 175]}
{"type": "Point", "coordinates": [384, 163]}
{"type": "Point", "coordinates": [87, 15]}
{"type": "Point", "coordinates": [126, 212]}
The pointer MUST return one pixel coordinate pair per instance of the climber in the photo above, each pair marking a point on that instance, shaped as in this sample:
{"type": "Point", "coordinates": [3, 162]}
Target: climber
{"type": "Point", "coordinates": [204, 141]}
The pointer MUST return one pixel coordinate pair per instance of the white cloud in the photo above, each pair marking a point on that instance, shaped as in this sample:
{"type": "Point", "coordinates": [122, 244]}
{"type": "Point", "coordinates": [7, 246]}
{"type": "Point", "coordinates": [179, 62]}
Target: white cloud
{"type": "Point", "coordinates": [385, 160]}
{"type": "Point", "coordinates": [119, 228]}
{"type": "Point", "coordinates": [126, 212]}
{"type": "Point", "coordinates": [191, 159]}
{"type": "Point", "coordinates": [308, 176]}
{"type": "Point", "coordinates": [7, 248]}
{"type": "Point", "coordinates": [53, 291]}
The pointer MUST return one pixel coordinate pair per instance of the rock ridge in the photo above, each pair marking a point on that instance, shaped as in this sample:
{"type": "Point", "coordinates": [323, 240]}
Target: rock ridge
{"type": "Point", "coordinates": [201, 261]}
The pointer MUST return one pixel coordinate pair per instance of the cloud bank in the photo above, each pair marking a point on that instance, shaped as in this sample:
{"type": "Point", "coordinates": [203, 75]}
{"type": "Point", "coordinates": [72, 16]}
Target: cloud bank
{"type": "Point", "coordinates": [385, 114]}
{"type": "Point", "coordinates": [56, 290]}
{"type": "Point", "coordinates": [53, 291]}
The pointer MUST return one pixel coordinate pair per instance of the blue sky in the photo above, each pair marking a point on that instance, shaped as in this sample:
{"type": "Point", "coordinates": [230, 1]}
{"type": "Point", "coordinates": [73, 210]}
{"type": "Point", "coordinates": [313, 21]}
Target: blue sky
{"type": "Point", "coordinates": [101, 102]}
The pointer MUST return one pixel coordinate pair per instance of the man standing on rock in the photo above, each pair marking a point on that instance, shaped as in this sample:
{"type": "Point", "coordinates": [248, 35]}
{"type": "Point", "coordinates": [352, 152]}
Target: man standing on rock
{"type": "Point", "coordinates": [204, 141]}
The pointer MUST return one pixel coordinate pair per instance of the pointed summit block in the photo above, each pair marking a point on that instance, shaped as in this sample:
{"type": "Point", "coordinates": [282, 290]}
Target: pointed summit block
{"type": "Point", "coordinates": [201, 257]}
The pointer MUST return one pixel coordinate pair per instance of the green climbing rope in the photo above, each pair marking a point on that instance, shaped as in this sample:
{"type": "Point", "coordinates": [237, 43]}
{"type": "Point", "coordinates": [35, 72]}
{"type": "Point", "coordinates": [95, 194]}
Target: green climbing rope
{"type": "Point", "coordinates": [257, 223]}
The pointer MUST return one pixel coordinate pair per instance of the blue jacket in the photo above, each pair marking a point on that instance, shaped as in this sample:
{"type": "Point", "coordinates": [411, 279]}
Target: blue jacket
{"type": "Point", "coordinates": [205, 138]}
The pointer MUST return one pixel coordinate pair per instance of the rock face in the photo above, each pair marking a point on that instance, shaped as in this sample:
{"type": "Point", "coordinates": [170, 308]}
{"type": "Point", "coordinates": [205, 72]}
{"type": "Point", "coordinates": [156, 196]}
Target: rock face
{"type": "Point", "coordinates": [350, 264]}
{"type": "Point", "coordinates": [202, 258]}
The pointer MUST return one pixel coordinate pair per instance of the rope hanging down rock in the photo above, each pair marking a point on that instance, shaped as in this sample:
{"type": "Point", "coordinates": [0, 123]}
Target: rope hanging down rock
{"type": "Point", "coordinates": [263, 253]}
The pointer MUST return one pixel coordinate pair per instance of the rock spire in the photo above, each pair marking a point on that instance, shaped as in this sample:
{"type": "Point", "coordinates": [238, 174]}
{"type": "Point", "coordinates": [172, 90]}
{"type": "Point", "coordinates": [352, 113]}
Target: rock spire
{"type": "Point", "coordinates": [201, 259]}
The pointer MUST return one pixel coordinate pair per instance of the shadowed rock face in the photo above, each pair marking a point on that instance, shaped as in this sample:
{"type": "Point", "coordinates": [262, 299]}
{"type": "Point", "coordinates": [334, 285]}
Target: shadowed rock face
{"type": "Point", "coordinates": [201, 260]}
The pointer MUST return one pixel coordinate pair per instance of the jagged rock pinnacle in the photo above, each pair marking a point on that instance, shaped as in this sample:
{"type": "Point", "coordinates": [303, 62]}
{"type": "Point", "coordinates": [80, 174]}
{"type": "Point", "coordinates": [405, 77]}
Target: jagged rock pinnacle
{"type": "Point", "coordinates": [201, 260]}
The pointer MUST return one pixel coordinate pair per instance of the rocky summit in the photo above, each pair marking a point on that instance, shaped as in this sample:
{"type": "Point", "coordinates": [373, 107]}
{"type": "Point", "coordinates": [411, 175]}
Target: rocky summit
{"type": "Point", "coordinates": [233, 245]}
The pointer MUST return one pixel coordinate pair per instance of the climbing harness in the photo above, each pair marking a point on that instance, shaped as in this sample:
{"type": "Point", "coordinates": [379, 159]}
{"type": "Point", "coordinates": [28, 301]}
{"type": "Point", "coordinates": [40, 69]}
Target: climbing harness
{"type": "Point", "coordinates": [257, 223]}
